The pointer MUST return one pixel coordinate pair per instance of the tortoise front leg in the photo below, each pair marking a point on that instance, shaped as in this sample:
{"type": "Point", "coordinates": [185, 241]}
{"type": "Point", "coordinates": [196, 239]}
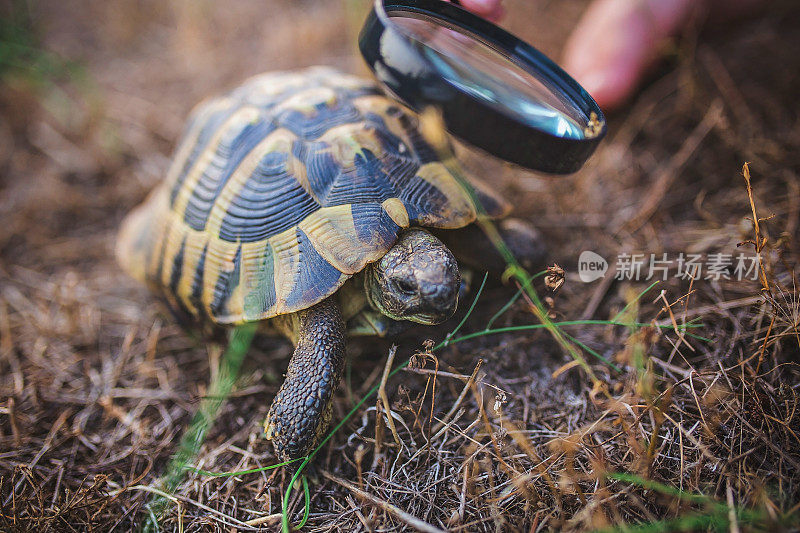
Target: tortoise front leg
{"type": "Point", "coordinates": [301, 411]}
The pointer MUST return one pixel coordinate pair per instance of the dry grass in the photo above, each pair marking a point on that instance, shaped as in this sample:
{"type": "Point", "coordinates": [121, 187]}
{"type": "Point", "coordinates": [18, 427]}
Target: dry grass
{"type": "Point", "coordinates": [497, 433]}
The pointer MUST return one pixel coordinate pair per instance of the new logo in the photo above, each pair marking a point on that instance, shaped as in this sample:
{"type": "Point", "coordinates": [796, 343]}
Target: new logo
{"type": "Point", "coordinates": [591, 266]}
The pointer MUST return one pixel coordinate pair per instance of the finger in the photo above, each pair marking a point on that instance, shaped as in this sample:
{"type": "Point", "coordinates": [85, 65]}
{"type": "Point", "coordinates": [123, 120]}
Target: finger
{"type": "Point", "coordinates": [615, 43]}
{"type": "Point", "coordinates": [489, 9]}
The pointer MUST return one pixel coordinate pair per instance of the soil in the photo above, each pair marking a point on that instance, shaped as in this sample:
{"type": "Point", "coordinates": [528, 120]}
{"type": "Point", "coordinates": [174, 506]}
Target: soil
{"type": "Point", "coordinates": [502, 432]}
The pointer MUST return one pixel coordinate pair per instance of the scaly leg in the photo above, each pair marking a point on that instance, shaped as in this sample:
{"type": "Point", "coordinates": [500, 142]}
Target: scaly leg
{"type": "Point", "coordinates": [301, 411]}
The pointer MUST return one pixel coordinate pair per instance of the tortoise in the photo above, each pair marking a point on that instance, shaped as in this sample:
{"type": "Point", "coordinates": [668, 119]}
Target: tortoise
{"type": "Point", "coordinates": [310, 201]}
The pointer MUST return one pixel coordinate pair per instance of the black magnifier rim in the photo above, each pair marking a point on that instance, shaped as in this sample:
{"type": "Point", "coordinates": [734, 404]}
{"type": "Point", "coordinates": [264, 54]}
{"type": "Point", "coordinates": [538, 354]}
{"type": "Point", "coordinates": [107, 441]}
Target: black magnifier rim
{"type": "Point", "coordinates": [397, 61]}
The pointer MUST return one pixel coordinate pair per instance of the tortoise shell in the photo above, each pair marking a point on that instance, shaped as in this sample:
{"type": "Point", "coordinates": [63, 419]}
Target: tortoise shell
{"type": "Point", "coordinates": [283, 189]}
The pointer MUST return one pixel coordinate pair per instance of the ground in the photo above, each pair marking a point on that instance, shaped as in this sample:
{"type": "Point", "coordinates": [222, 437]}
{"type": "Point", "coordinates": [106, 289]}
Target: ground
{"type": "Point", "coordinates": [501, 432]}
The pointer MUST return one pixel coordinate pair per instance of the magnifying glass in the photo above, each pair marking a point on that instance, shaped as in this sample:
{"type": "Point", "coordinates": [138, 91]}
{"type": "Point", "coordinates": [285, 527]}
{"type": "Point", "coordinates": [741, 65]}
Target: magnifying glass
{"type": "Point", "coordinates": [494, 90]}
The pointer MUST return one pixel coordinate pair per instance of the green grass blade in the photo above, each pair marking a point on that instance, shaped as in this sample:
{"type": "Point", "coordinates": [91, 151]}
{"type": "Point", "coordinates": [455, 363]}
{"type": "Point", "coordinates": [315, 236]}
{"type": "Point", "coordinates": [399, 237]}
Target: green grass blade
{"type": "Point", "coordinates": [511, 302]}
{"type": "Point", "coordinates": [717, 520]}
{"type": "Point", "coordinates": [503, 309]}
{"type": "Point", "coordinates": [593, 352]}
{"type": "Point", "coordinates": [659, 487]}
{"type": "Point", "coordinates": [193, 439]}
{"type": "Point", "coordinates": [239, 472]}
{"type": "Point", "coordinates": [307, 510]}
{"type": "Point", "coordinates": [639, 297]}
{"type": "Point", "coordinates": [471, 308]}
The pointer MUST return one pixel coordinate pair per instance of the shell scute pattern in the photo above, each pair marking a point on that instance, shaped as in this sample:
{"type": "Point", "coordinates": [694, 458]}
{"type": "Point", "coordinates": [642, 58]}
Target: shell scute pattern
{"type": "Point", "coordinates": [259, 209]}
{"type": "Point", "coordinates": [238, 143]}
{"type": "Point", "coordinates": [204, 121]}
{"type": "Point", "coordinates": [280, 191]}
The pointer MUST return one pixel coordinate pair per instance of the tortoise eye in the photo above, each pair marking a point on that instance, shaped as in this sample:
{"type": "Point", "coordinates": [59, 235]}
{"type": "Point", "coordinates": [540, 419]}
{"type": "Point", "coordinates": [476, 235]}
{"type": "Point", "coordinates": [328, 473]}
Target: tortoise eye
{"type": "Point", "coordinates": [405, 286]}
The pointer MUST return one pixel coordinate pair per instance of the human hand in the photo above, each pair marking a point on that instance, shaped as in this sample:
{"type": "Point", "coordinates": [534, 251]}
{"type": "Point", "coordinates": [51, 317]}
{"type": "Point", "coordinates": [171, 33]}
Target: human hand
{"type": "Point", "coordinates": [616, 42]}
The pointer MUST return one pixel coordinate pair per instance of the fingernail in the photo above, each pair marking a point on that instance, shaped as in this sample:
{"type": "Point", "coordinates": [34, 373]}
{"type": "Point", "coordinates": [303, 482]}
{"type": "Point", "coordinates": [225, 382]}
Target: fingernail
{"type": "Point", "coordinates": [598, 84]}
{"type": "Point", "coordinates": [482, 7]}
{"type": "Point", "coordinates": [593, 81]}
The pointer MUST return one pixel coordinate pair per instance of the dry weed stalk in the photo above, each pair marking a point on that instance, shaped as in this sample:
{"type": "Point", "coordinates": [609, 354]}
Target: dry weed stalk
{"type": "Point", "coordinates": [96, 384]}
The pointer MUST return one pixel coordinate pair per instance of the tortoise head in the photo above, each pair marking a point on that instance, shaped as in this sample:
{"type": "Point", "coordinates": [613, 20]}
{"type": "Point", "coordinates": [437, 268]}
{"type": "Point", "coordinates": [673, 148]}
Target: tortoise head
{"type": "Point", "coordinates": [416, 280]}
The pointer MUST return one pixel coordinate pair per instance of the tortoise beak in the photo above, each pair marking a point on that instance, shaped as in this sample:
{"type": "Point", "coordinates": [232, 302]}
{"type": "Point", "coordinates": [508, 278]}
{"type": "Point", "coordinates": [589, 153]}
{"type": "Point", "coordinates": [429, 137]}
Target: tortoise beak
{"type": "Point", "coordinates": [436, 307]}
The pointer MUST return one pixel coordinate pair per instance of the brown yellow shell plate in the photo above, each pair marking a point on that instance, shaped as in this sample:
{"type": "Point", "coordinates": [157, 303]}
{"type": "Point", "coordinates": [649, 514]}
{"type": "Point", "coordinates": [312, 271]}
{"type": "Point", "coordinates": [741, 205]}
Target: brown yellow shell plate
{"type": "Point", "coordinates": [283, 189]}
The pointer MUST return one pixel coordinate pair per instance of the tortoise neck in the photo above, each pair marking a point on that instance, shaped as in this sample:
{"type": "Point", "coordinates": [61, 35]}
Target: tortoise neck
{"type": "Point", "coordinates": [368, 283]}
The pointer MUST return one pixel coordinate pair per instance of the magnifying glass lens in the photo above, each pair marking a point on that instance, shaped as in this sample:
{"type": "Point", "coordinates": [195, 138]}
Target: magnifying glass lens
{"type": "Point", "coordinates": [494, 90]}
{"type": "Point", "coordinates": [478, 69]}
